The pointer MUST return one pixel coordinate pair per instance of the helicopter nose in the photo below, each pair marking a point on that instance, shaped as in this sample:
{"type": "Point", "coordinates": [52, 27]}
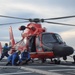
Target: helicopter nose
{"type": "Point", "coordinates": [63, 51]}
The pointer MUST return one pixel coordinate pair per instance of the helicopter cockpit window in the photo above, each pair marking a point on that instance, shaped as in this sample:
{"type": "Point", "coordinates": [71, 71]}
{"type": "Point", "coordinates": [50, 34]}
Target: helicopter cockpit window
{"type": "Point", "coordinates": [47, 38]}
{"type": "Point", "coordinates": [58, 37]}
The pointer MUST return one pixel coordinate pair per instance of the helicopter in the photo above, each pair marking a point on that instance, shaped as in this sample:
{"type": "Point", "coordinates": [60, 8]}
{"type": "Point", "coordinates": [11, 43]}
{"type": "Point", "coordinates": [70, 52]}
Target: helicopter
{"type": "Point", "coordinates": [40, 43]}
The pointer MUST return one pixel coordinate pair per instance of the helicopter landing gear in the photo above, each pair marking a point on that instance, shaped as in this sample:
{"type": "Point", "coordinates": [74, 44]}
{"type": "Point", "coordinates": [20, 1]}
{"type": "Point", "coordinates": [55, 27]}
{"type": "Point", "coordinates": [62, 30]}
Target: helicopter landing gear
{"type": "Point", "coordinates": [57, 61]}
{"type": "Point", "coordinates": [74, 59]}
{"type": "Point", "coordinates": [51, 60]}
{"type": "Point", "coordinates": [43, 60]}
{"type": "Point", "coordinates": [65, 58]}
{"type": "Point", "coordinates": [32, 60]}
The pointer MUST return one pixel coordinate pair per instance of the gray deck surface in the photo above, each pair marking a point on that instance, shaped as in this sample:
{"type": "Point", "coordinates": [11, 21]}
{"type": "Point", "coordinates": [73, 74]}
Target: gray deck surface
{"type": "Point", "coordinates": [36, 68]}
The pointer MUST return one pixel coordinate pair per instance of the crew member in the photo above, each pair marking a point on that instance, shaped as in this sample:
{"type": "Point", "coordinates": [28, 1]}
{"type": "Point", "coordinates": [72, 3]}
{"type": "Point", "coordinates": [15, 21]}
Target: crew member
{"type": "Point", "coordinates": [25, 57]}
{"type": "Point", "coordinates": [14, 59]}
{"type": "Point", "coordinates": [5, 51]}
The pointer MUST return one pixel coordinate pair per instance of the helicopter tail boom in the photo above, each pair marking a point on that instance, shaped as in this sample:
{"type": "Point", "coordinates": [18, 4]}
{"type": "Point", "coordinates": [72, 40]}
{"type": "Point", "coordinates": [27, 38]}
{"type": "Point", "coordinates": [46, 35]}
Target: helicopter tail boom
{"type": "Point", "coordinates": [12, 41]}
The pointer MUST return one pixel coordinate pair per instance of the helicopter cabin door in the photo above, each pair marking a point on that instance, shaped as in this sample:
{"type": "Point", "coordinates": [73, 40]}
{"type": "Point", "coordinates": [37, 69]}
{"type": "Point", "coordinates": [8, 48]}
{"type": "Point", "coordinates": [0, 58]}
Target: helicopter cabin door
{"type": "Point", "coordinates": [38, 44]}
{"type": "Point", "coordinates": [32, 46]}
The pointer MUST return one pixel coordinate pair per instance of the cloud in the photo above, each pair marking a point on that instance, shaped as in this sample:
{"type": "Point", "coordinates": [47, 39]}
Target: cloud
{"type": "Point", "coordinates": [68, 34]}
{"type": "Point", "coordinates": [41, 9]}
{"type": "Point", "coordinates": [68, 37]}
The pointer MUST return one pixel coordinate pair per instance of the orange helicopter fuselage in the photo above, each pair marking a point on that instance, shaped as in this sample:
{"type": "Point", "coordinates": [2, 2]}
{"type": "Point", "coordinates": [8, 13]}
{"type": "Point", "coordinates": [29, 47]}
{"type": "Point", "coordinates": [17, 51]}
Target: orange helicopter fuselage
{"type": "Point", "coordinates": [34, 29]}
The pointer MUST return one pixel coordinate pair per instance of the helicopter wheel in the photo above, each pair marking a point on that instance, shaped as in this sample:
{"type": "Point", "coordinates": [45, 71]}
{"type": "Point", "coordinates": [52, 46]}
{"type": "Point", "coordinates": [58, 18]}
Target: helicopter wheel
{"type": "Point", "coordinates": [73, 59]}
{"type": "Point", "coordinates": [65, 58]}
{"type": "Point", "coordinates": [56, 61]}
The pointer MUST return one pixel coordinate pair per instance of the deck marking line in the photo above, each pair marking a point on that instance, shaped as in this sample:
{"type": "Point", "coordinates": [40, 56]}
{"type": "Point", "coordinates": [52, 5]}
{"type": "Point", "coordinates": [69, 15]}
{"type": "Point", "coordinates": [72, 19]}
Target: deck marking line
{"type": "Point", "coordinates": [61, 70]}
{"type": "Point", "coordinates": [10, 67]}
{"type": "Point", "coordinates": [39, 71]}
{"type": "Point", "coordinates": [14, 73]}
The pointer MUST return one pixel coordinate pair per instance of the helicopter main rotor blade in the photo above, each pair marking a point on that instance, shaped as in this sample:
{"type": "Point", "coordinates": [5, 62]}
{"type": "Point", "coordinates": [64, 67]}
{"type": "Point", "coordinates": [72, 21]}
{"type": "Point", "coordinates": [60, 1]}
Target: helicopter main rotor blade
{"type": "Point", "coordinates": [60, 23]}
{"type": "Point", "coordinates": [65, 17]}
{"type": "Point", "coordinates": [13, 17]}
{"type": "Point", "coordinates": [13, 23]}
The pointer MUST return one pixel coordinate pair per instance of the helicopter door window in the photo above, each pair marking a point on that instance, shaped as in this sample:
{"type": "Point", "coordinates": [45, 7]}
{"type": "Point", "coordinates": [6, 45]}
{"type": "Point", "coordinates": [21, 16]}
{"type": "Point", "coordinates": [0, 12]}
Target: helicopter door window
{"type": "Point", "coordinates": [38, 41]}
{"type": "Point", "coordinates": [38, 47]}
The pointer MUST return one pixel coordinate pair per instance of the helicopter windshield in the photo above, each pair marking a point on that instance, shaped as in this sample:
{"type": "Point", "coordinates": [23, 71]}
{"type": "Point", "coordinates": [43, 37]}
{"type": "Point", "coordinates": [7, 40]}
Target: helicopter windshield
{"type": "Point", "coordinates": [51, 38]}
{"type": "Point", "coordinates": [58, 37]}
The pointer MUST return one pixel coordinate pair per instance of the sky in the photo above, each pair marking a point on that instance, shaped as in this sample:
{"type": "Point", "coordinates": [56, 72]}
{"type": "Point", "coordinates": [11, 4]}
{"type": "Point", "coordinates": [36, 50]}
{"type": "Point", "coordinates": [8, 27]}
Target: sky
{"type": "Point", "coordinates": [38, 9]}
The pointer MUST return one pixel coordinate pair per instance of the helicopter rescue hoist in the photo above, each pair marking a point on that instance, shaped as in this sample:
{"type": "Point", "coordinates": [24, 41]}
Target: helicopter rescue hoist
{"type": "Point", "coordinates": [40, 43]}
